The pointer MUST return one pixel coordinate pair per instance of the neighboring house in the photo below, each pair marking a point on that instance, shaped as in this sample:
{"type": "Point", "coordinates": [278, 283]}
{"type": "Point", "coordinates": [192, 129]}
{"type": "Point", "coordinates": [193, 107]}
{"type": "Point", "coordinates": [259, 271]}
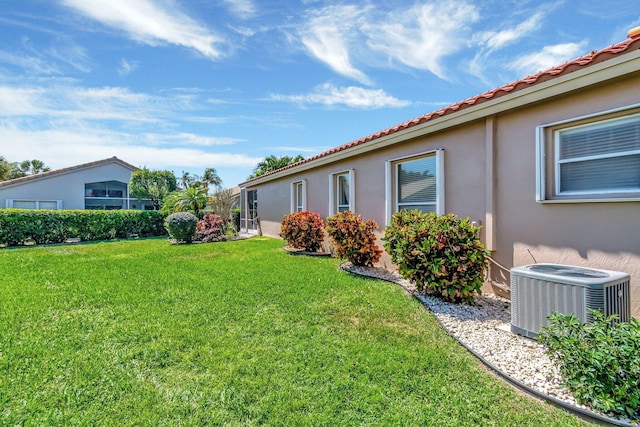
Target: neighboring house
{"type": "Point", "coordinates": [103, 184]}
{"type": "Point", "coordinates": [549, 165]}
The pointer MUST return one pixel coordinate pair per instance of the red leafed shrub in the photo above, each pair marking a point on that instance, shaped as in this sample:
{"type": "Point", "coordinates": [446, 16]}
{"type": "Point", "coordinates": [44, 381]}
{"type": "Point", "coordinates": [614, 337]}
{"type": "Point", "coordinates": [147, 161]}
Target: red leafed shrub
{"type": "Point", "coordinates": [303, 230]}
{"type": "Point", "coordinates": [210, 228]}
{"type": "Point", "coordinates": [353, 238]}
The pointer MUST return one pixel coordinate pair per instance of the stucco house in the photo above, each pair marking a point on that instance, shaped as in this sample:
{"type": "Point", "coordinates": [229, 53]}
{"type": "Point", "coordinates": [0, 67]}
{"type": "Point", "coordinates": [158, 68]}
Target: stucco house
{"type": "Point", "coordinates": [103, 184]}
{"type": "Point", "coordinates": [548, 165]}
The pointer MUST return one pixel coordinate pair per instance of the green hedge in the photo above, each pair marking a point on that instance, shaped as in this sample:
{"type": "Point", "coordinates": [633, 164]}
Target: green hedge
{"type": "Point", "coordinates": [22, 226]}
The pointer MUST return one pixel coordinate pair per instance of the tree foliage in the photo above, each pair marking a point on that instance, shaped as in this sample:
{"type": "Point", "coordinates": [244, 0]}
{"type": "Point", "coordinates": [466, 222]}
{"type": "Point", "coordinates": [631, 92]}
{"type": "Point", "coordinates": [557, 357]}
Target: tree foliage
{"type": "Point", "coordinates": [152, 185]}
{"type": "Point", "coordinates": [272, 163]}
{"type": "Point", "coordinates": [209, 178]}
{"type": "Point", "coordinates": [192, 199]}
{"type": "Point", "coordinates": [32, 167]}
{"type": "Point", "coordinates": [5, 169]}
{"type": "Point", "coordinates": [221, 203]}
{"type": "Point", "coordinates": [12, 170]}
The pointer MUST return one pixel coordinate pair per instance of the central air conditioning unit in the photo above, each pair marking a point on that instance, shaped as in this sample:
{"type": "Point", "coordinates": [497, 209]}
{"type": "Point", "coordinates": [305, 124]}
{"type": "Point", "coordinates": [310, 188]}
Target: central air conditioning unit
{"type": "Point", "coordinates": [537, 290]}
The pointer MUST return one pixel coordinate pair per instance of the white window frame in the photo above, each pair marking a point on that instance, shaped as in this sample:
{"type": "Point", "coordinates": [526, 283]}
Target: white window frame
{"type": "Point", "coordinates": [334, 193]}
{"type": "Point", "coordinates": [391, 179]}
{"type": "Point", "coordinates": [544, 160]}
{"type": "Point", "coordinates": [298, 205]}
{"type": "Point", "coordinates": [11, 202]}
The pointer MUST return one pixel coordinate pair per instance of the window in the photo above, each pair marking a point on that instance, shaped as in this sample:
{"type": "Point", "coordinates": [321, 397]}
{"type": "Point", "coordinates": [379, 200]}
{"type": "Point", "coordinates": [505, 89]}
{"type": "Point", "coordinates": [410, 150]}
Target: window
{"type": "Point", "coordinates": [34, 204]}
{"type": "Point", "coordinates": [298, 196]}
{"type": "Point", "coordinates": [593, 159]}
{"type": "Point", "coordinates": [106, 195]}
{"type": "Point", "coordinates": [342, 192]}
{"type": "Point", "coordinates": [416, 182]}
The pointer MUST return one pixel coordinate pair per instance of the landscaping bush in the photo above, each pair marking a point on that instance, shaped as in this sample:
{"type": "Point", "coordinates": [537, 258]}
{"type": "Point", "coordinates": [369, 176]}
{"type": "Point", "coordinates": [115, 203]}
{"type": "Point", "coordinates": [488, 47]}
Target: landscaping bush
{"type": "Point", "coordinates": [353, 238]}
{"type": "Point", "coordinates": [303, 230]}
{"type": "Point", "coordinates": [442, 254]}
{"type": "Point", "coordinates": [599, 361]}
{"type": "Point", "coordinates": [235, 213]}
{"type": "Point", "coordinates": [22, 226]}
{"type": "Point", "coordinates": [181, 226]}
{"type": "Point", "coordinates": [210, 228]}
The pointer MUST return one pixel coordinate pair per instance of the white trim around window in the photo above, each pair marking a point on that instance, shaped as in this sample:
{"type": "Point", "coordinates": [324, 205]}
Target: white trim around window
{"type": "Point", "coordinates": [299, 196]}
{"type": "Point", "coordinates": [594, 158]}
{"type": "Point", "coordinates": [342, 191]}
{"type": "Point", "coordinates": [418, 196]}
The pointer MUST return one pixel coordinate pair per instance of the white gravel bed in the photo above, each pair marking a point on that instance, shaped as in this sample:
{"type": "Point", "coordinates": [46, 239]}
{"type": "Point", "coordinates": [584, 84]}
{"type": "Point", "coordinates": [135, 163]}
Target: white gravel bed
{"type": "Point", "coordinates": [485, 328]}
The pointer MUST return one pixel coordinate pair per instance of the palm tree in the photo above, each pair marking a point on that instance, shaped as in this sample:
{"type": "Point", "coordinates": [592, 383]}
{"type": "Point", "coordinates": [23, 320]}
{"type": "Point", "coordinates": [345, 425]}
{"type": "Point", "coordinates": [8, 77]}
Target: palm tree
{"type": "Point", "coordinates": [191, 199]}
{"type": "Point", "coordinates": [32, 167]}
{"type": "Point", "coordinates": [272, 163]}
{"type": "Point", "coordinates": [211, 177]}
{"type": "Point", "coordinates": [186, 179]}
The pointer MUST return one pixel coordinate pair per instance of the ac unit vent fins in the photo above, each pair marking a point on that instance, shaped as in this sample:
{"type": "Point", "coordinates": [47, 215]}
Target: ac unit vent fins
{"type": "Point", "coordinates": [538, 290]}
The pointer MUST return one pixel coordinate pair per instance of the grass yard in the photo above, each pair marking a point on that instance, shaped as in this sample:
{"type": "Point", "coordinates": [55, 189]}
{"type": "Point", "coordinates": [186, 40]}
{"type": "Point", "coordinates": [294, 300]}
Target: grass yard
{"type": "Point", "coordinates": [237, 333]}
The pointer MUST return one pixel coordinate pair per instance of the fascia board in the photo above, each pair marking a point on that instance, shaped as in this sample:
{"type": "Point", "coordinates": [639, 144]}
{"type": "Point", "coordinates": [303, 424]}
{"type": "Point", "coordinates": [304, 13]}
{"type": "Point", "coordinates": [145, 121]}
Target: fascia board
{"type": "Point", "coordinates": [589, 76]}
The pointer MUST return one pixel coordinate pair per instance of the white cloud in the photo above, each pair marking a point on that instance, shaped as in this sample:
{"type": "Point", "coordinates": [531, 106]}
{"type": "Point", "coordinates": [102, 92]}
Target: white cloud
{"type": "Point", "coordinates": [30, 61]}
{"type": "Point", "coordinates": [548, 57]}
{"type": "Point", "coordinates": [20, 102]}
{"type": "Point", "coordinates": [127, 67]}
{"type": "Point", "coordinates": [65, 51]}
{"type": "Point", "coordinates": [500, 39]}
{"type": "Point", "coordinates": [349, 37]}
{"type": "Point", "coordinates": [424, 35]}
{"type": "Point", "coordinates": [486, 65]}
{"type": "Point", "coordinates": [61, 55]}
{"type": "Point", "coordinates": [327, 36]}
{"type": "Point", "coordinates": [351, 96]}
{"type": "Point", "coordinates": [66, 125]}
{"type": "Point", "coordinates": [189, 139]}
{"type": "Point", "coordinates": [105, 103]}
{"type": "Point", "coordinates": [88, 144]}
{"type": "Point", "coordinates": [149, 23]}
{"type": "Point", "coordinates": [243, 9]}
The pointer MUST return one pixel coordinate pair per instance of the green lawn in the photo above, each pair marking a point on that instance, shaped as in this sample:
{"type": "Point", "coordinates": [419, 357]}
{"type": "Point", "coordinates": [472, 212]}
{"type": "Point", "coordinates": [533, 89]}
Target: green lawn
{"type": "Point", "coordinates": [237, 333]}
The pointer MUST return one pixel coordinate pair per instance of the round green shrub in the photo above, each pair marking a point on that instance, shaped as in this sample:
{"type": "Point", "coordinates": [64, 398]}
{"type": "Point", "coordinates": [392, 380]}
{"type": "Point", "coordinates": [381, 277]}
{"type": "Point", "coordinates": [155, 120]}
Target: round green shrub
{"type": "Point", "coordinates": [442, 254]}
{"type": "Point", "coordinates": [181, 226]}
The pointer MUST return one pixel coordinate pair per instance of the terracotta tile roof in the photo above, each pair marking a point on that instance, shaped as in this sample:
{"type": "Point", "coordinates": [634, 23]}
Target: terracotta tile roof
{"type": "Point", "coordinates": [590, 59]}
{"type": "Point", "coordinates": [69, 169]}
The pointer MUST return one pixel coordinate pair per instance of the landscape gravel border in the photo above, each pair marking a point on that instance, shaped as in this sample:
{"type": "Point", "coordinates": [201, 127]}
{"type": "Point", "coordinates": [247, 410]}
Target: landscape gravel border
{"type": "Point", "coordinates": [484, 330]}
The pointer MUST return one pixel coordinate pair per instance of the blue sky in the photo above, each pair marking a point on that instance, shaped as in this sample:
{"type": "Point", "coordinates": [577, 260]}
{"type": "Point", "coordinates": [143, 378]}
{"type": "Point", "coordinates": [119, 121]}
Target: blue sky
{"type": "Point", "coordinates": [185, 85]}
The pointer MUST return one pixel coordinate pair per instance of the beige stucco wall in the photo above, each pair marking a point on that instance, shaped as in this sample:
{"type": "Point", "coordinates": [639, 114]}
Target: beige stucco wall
{"type": "Point", "coordinates": [66, 186]}
{"type": "Point", "coordinates": [597, 235]}
{"type": "Point", "coordinates": [464, 177]}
